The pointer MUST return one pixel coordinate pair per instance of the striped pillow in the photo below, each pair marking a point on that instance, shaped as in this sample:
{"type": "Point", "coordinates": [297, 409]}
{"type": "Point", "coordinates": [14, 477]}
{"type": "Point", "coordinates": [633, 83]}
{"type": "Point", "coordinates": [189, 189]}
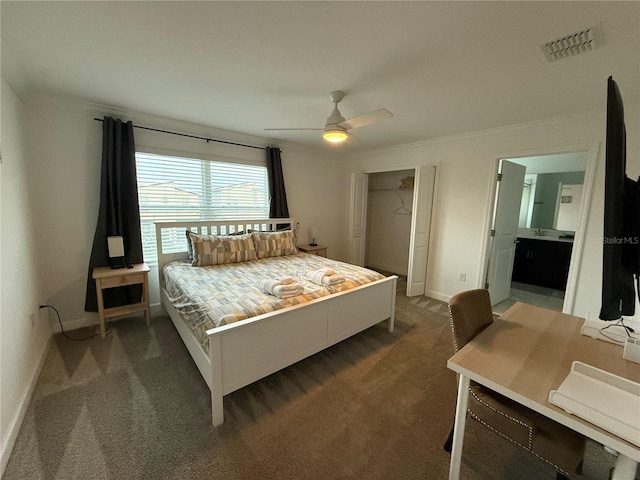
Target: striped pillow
{"type": "Point", "coordinates": [275, 244]}
{"type": "Point", "coordinates": [219, 249]}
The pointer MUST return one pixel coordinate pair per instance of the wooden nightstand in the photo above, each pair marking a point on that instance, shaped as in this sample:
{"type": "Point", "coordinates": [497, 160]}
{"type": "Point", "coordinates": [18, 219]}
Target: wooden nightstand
{"type": "Point", "coordinates": [107, 277]}
{"type": "Point", "coordinates": [319, 250]}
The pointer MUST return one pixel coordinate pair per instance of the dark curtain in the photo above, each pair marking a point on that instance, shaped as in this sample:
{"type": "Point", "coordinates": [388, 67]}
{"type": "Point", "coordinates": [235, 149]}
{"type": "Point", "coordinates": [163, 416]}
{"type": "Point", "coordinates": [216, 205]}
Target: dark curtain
{"type": "Point", "coordinates": [278, 207]}
{"type": "Point", "coordinates": [119, 214]}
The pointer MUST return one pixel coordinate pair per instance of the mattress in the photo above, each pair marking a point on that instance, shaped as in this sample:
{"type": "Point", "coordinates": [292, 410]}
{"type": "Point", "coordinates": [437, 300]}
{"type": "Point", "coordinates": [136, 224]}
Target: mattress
{"type": "Point", "coordinates": [216, 295]}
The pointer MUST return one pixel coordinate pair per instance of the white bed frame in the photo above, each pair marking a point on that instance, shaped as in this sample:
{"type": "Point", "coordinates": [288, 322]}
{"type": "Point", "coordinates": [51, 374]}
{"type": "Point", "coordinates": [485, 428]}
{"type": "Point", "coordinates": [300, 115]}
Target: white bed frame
{"type": "Point", "coordinates": [251, 349]}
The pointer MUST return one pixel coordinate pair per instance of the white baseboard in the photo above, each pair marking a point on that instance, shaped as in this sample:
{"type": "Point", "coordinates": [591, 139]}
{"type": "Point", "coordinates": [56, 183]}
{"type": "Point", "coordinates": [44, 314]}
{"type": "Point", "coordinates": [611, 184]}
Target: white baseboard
{"type": "Point", "coordinates": [438, 296]}
{"type": "Point", "coordinates": [72, 324]}
{"type": "Point", "coordinates": [155, 308]}
{"type": "Point", "coordinates": [9, 439]}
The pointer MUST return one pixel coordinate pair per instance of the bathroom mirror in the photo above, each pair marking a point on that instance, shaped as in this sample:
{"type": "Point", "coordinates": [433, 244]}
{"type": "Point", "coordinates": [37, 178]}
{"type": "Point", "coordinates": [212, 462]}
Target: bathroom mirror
{"type": "Point", "coordinates": [552, 191]}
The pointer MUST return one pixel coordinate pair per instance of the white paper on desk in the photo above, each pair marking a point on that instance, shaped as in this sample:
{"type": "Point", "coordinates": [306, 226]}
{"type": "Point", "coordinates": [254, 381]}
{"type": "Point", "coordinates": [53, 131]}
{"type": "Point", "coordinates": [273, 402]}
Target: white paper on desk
{"type": "Point", "coordinates": [606, 400]}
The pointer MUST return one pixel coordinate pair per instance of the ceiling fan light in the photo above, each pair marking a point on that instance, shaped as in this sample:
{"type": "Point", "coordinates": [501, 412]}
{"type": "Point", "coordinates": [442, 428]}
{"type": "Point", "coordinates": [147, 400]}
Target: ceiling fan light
{"type": "Point", "coordinates": [335, 135]}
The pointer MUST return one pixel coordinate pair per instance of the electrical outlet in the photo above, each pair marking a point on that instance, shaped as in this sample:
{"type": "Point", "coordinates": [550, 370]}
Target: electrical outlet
{"type": "Point", "coordinates": [43, 314]}
{"type": "Point", "coordinates": [462, 277]}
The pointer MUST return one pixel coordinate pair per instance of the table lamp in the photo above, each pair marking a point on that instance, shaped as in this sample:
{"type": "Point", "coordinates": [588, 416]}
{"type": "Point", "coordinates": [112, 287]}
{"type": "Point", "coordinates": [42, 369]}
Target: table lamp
{"type": "Point", "coordinates": [115, 245]}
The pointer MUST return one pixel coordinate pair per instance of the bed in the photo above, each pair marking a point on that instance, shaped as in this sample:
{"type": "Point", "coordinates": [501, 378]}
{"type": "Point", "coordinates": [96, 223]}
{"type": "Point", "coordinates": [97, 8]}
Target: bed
{"type": "Point", "coordinates": [232, 350]}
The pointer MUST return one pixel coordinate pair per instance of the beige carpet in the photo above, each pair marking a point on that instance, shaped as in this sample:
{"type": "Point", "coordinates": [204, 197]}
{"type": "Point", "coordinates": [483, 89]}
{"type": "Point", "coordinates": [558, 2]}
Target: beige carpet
{"type": "Point", "coordinates": [376, 406]}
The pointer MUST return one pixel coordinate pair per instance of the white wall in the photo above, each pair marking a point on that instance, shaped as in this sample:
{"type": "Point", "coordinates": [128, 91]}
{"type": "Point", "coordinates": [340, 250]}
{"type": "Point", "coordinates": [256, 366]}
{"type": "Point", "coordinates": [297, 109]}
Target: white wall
{"type": "Point", "coordinates": [66, 153]}
{"type": "Point", "coordinates": [464, 190]}
{"type": "Point", "coordinates": [24, 336]}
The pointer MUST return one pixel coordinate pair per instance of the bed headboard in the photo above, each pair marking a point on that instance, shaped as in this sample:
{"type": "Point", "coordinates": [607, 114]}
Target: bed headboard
{"type": "Point", "coordinates": [168, 232]}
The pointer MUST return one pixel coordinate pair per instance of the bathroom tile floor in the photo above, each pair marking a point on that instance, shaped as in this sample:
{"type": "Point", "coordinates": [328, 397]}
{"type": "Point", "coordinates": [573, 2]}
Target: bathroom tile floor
{"type": "Point", "coordinates": [531, 294]}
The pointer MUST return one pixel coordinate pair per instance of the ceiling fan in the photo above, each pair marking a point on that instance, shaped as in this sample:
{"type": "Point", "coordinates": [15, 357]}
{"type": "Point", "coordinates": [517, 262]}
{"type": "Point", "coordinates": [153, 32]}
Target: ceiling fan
{"type": "Point", "coordinates": [336, 127]}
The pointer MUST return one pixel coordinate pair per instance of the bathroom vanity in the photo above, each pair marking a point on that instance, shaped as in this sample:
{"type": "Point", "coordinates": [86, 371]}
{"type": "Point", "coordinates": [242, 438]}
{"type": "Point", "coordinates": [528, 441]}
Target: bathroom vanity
{"type": "Point", "coordinates": [543, 260]}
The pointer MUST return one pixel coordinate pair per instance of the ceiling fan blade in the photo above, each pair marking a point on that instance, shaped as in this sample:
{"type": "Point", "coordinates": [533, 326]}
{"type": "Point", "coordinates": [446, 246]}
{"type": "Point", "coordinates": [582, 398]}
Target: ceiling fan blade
{"type": "Point", "coordinates": [353, 139]}
{"type": "Point", "coordinates": [366, 119]}
{"type": "Point", "coordinates": [294, 129]}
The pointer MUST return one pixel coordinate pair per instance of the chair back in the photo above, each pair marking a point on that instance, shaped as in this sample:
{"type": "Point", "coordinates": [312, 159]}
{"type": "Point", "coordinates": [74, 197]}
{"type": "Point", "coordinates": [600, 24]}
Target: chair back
{"type": "Point", "coordinates": [470, 313]}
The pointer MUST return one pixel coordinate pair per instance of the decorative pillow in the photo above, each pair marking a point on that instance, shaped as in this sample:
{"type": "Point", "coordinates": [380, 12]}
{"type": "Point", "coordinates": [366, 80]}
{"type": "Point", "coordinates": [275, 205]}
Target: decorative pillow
{"type": "Point", "coordinates": [218, 249]}
{"type": "Point", "coordinates": [294, 230]}
{"type": "Point", "coordinates": [274, 244]}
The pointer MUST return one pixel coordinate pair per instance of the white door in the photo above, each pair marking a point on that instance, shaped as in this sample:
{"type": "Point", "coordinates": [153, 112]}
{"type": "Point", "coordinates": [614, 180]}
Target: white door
{"type": "Point", "coordinates": [358, 218]}
{"type": "Point", "coordinates": [505, 230]}
{"type": "Point", "coordinates": [420, 227]}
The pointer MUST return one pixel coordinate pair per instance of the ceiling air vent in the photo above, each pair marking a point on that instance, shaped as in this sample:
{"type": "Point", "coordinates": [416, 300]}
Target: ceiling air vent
{"type": "Point", "coordinates": [580, 42]}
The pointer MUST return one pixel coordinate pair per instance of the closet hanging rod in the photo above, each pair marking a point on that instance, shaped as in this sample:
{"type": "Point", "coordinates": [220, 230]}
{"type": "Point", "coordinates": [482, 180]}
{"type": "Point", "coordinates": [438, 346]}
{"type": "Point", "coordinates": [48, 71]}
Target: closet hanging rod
{"type": "Point", "coordinates": [191, 136]}
{"type": "Point", "coordinates": [397, 189]}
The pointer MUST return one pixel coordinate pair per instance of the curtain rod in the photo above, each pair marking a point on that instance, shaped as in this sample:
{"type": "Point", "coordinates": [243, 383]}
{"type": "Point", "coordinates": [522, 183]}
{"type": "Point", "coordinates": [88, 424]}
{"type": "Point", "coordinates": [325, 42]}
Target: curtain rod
{"type": "Point", "coordinates": [191, 136]}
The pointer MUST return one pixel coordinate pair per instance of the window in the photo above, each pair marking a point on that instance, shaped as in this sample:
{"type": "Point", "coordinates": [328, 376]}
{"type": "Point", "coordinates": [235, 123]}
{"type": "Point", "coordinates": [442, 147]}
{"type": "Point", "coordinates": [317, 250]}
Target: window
{"type": "Point", "coordinates": [176, 188]}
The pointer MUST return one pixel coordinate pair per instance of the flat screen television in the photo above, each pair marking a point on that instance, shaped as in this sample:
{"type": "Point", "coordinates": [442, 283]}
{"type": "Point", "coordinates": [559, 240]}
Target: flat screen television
{"type": "Point", "coordinates": [621, 250]}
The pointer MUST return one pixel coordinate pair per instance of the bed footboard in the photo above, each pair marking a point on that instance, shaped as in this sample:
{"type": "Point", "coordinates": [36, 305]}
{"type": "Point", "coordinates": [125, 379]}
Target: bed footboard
{"type": "Point", "coordinates": [252, 349]}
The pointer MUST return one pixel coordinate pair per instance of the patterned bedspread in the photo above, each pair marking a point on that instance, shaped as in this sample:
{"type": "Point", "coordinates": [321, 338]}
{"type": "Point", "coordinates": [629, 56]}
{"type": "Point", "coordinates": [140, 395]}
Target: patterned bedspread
{"type": "Point", "coordinates": [211, 296]}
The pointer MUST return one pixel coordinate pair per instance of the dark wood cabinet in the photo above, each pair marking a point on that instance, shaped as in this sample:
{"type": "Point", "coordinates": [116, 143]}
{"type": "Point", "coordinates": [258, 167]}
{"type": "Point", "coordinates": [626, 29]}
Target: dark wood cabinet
{"type": "Point", "coordinates": [542, 262]}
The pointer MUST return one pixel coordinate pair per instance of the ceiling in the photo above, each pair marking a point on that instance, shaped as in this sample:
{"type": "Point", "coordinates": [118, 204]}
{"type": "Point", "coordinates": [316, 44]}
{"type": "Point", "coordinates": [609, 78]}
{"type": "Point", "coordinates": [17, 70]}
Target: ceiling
{"type": "Point", "coordinates": [442, 68]}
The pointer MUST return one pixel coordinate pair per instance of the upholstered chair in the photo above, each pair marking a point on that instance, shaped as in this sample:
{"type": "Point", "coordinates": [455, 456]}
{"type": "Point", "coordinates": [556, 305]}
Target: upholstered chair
{"type": "Point", "coordinates": [470, 313]}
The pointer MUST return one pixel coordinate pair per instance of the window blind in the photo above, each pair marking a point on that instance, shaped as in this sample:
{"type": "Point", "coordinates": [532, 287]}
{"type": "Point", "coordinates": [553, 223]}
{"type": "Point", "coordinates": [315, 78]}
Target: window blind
{"type": "Point", "coordinates": [178, 188]}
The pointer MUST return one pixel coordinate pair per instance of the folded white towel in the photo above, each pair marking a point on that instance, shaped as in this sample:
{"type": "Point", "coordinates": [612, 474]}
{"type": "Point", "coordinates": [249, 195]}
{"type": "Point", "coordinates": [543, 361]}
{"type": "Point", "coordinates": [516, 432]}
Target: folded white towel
{"type": "Point", "coordinates": [325, 276]}
{"type": "Point", "coordinates": [334, 279]}
{"type": "Point", "coordinates": [283, 288]}
{"type": "Point", "coordinates": [286, 291]}
{"type": "Point", "coordinates": [316, 275]}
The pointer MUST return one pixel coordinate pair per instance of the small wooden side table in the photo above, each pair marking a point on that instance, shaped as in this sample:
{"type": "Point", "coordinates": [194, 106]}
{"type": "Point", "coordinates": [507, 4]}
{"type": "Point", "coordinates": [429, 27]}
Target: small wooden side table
{"type": "Point", "coordinates": [107, 277]}
{"type": "Point", "coordinates": [319, 250]}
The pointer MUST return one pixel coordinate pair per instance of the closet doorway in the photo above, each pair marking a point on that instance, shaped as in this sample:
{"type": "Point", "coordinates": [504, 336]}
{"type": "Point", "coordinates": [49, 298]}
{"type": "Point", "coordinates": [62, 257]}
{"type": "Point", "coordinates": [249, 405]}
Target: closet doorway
{"type": "Point", "coordinates": [389, 203]}
{"type": "Point", "coordinates": [394, 205]}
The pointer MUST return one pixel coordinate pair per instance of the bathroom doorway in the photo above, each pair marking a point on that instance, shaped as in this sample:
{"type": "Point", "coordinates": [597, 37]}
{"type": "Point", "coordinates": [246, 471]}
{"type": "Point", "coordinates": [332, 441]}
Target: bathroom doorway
{"type": "Point", "coordinates": [543, 265]}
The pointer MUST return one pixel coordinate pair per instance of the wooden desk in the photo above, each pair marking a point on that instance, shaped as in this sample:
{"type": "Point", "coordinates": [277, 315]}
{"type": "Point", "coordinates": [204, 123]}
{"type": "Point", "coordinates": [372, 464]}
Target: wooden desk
{"type": "Point", "coordinates": [107, 277]}
{"type": "Point", "coordinates": [527, 353]}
